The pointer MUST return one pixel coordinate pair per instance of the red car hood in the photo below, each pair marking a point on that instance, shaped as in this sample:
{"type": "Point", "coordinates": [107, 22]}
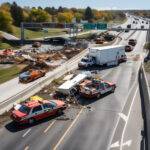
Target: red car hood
{"type": "Point", "coordinates": [58, 102]}
{"type": "Point", "coordinates": [18, 113]}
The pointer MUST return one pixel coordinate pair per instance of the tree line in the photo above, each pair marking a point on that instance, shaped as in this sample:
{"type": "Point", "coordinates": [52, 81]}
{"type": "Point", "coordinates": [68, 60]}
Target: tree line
{"type": "Point", "coordinates": [13, 14]}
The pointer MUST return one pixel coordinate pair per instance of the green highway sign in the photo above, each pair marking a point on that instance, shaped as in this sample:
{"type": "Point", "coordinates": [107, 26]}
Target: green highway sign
{"type": "Point", "coordinates": [89, 26]}
{"type": "Point", "coordinates": [101, 26]}
{"type": "Point", "coordinates": [94, 26]}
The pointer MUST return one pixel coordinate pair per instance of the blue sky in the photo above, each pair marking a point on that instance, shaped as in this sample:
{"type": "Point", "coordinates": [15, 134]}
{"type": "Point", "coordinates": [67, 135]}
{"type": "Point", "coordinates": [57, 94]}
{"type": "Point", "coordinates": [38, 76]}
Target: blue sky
{"type": "Point", "coordinates": [98, 4]}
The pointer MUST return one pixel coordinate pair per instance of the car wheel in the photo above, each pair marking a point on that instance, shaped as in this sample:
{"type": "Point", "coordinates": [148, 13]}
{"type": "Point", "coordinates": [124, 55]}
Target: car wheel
{"type": "Point", "coordinates": [31, 120]}
{"type": "Point", "coordinates": [113, 89]}
{"type": "Point", "coordinates": [98, 95]}
{"type": "Point", "coordinates": [60, 111]}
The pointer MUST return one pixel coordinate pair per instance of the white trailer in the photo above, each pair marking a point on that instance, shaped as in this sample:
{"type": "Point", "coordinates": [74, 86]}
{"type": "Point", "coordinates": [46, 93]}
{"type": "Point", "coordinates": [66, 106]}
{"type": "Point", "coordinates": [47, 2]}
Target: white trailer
{"type": "Point", "coordinates": [107, 55]}
{"type": "Point", "coordinates": [67, 86]}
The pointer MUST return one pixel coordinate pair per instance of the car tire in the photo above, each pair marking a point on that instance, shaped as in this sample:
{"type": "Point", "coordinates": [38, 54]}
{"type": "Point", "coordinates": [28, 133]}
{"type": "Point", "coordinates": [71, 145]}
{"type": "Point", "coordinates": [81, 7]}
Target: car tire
{"type": "Point", "coordinates": [31, 120]}
{"type": "Point", "coordinates": [60, 112]}
{"type": "Point", "coordinates": [43, 74]}
{"type": "Point", "coordinates": [98, 95]}
{"type": "Point", "coordinates": [113, 89]}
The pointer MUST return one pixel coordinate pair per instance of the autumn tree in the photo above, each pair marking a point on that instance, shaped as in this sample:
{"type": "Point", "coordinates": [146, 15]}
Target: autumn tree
{"type": "Point", "coordinates": [38, 15]}
{"type": "Point", "coordinates": [65, 17]}
{"type": "Point", "coordinates": [5, 21]}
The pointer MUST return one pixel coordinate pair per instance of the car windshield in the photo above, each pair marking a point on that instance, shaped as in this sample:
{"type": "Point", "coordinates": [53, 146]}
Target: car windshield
{"type": "Point", "coordinates": [84, 60]}
{"type": "Point", "coordinates": [131, 40]}
{"type": "Point", "coordinates": [24, 109]}
{"type": "Point", "coordinates": [53, 104]}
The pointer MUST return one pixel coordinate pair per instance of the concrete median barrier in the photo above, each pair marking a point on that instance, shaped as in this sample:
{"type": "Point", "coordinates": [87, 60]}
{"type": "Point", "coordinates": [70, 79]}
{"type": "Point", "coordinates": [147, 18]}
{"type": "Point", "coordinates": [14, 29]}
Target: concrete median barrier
{"type": "Point", "coordinates": [145, 97]}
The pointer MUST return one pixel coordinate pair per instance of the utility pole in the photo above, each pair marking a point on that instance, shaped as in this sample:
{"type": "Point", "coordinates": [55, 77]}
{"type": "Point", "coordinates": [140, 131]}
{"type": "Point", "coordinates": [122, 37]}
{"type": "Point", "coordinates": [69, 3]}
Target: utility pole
{"type": "Point", "coordinates": [22, 33]}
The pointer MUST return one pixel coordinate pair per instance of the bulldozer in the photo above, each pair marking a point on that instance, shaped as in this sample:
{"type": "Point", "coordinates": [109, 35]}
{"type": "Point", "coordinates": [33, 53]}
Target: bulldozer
{"type": "Point", "coordinates": [31, 75]}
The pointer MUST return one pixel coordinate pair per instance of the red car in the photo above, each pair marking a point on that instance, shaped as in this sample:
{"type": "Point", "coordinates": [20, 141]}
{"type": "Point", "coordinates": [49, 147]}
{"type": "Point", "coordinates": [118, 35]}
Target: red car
{"type": "Point", "coordinates": [95, 88]}
{"type": "Point", "coordinates": [31, 111]}
{"type": "Point", "coordinates": [128, 48]}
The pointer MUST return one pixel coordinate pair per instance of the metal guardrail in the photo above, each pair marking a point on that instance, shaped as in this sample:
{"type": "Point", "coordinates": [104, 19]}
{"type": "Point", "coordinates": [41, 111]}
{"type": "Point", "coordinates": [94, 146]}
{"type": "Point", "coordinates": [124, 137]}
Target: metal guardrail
{"type": "Point", "coordinates": [145, 97]}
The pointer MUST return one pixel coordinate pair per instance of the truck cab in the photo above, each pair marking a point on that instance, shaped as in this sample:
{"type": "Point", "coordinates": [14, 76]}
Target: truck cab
{"type": "Point", "coordinates": [86, 62]}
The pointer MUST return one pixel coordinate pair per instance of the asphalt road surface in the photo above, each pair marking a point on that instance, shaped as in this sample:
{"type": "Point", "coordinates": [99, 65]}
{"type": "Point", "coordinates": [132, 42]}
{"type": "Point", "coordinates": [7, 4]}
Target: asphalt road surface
{"type": "Point", "coordinates": [112, 122]}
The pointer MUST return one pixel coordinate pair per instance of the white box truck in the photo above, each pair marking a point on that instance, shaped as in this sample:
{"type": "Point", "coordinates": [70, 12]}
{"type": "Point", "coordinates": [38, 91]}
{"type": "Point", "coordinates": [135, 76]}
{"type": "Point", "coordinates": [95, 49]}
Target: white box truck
{"type": "Point", "coordinates": [107, 55]}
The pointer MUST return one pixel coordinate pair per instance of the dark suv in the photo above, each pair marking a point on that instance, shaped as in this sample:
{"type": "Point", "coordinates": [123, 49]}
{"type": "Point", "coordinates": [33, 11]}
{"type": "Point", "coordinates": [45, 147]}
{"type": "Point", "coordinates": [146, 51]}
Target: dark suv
{"type": "Point", "coordinates": [132, 42]}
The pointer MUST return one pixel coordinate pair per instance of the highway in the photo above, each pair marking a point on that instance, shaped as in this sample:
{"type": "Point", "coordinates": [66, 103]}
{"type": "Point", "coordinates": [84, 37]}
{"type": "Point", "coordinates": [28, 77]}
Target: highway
{"type": "Point", "coordinates": [113, 122]}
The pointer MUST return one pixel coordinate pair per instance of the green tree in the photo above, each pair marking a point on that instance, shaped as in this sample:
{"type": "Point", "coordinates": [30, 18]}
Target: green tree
{"type": "Point", "coordinates": [88, 15]}
{"type": "Point", "coordinates": [78, 17]}
{"type": "Point", "coordinates": [5, 21]}
{"type": "Point", "coordinates": [38, 15]}
{"type": "Point", "coordinates": [17, 14]}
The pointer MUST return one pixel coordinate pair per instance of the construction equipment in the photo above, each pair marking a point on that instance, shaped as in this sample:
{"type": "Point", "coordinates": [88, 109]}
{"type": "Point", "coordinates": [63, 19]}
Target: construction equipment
{"type": "Point", "coordinates": [31, 75]}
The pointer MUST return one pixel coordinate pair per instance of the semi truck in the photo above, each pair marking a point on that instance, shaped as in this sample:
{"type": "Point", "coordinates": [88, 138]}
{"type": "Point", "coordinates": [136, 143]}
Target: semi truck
{"type": "Point", "coordinates": [108, 55]}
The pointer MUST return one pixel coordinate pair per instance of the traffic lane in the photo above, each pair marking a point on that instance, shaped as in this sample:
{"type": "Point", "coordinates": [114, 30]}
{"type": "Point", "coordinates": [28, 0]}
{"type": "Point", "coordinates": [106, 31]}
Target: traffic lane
{"type": "Point", "coordinates": [138, 49]}
{"type": "Point", "coordinates": [107, 106]}
{"type": "Point", "coordinates": [14, 137]}
{"type": "Point", "coordinates": [119, 130]}
{"type": "Point", "coordinates": [101, 122]}
{"type": "Point", "coordinates": [134, 129]}
{"type": "Point", "coordinates": [48, 138]}
{"type": "Point", "coordinates": [117, 137]}
{"type": "Point", "coordinates": [18, 137]}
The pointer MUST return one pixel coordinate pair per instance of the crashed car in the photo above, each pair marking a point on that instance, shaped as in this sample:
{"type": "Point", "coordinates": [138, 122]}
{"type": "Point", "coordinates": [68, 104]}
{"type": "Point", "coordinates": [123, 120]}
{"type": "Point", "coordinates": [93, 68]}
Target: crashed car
{"type": "Point", "coordinates": [94, 88]}
{"type": "Point", "coordinates": [31, 75]}
{"type": "Point", "coordinates": [32, 111]}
